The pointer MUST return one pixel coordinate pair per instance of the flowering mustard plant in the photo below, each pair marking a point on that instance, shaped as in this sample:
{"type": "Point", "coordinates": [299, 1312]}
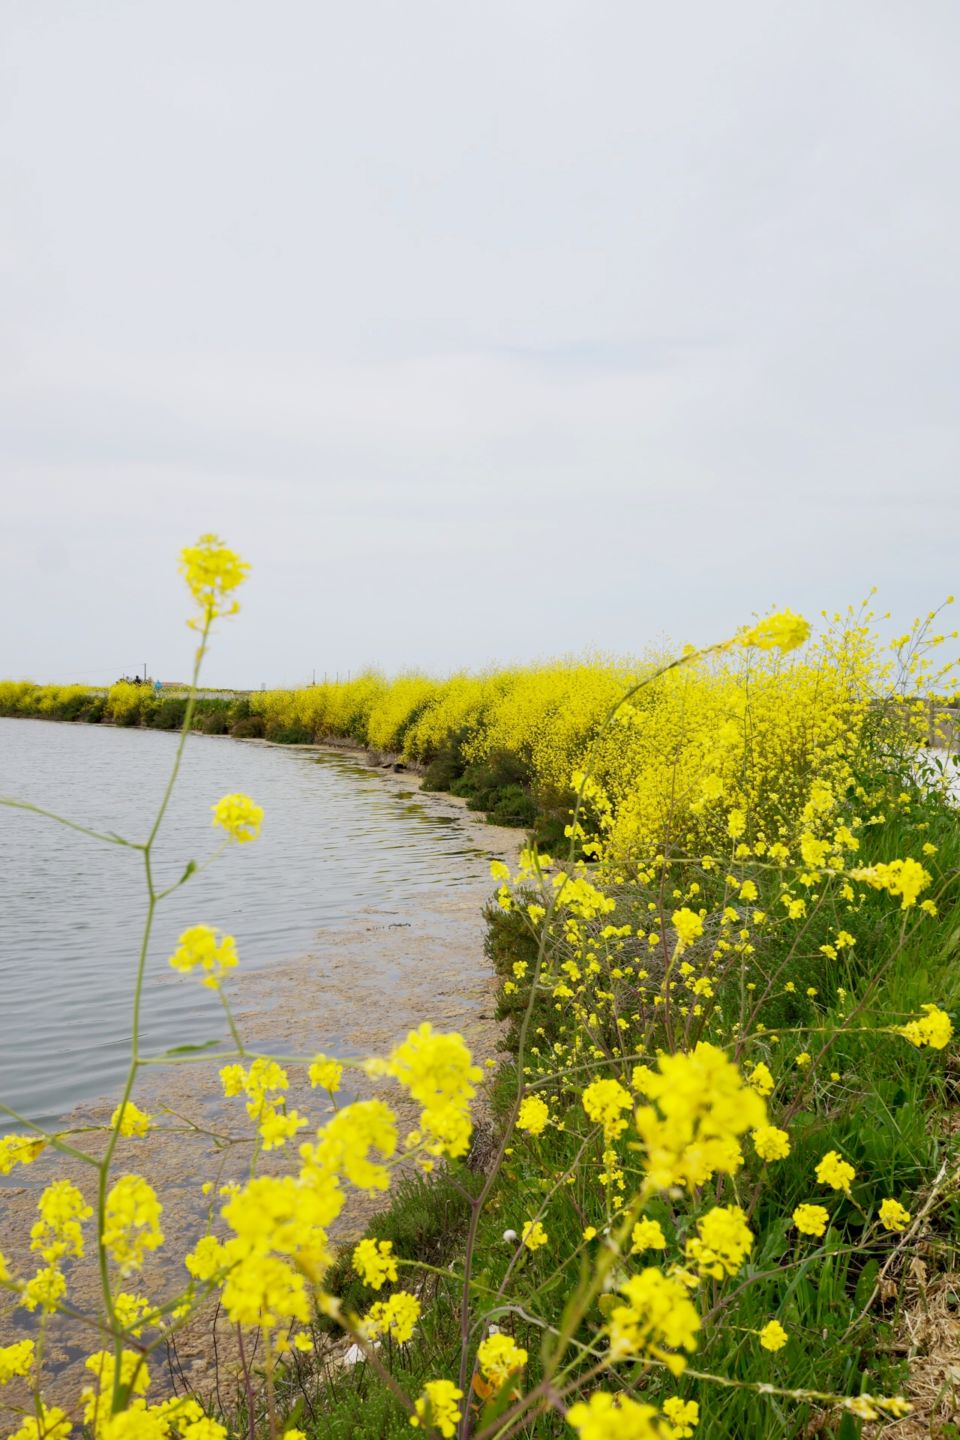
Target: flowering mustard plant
{"type": "Point", "coordinates": [718, 820]}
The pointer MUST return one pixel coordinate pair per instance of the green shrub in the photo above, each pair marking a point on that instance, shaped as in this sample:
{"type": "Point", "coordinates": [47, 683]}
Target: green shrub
{"type": "Point", "coordinates": [249, 727]}
{"type": "Point", "coordinates": [170, 712]}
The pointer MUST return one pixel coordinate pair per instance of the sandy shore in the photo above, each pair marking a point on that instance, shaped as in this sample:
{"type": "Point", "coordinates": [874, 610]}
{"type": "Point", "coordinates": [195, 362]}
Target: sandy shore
{"type": "Point", "coordinates": [357, 992]}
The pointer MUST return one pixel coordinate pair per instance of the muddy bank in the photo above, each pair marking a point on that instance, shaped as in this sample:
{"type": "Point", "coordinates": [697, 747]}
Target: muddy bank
{"type": "Point", "coordinates": [382, 973]}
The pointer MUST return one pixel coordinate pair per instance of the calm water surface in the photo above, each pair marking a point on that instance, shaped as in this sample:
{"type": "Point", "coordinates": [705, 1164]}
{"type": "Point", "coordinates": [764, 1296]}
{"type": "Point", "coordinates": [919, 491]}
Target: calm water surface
{"type": "Point", "coordinates": [336, 841]}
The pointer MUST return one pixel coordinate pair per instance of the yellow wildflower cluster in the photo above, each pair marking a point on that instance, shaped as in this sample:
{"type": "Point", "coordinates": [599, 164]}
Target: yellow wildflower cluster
{"type": "Point", "coordinates": [894, 1216]}
{"type": "Point", "coordinates": [438, 1408]}
{"type": "Point", "coordinates": [374, 1262]}
{"type": "Point", "coordinates": [199, 946]}
{"type": "Point", "coordinates": [438, 1072]}
{"type": "Point", "coordinates": [658, 1319]}
{"type": "Point", "coordinates": [722, 1242]}
{"type": "Point", "coordinates": [264, 1084]}
{"type": "Point", "coordinates": [614, 1417]}
{"type": "Point", "coordinates": [701, 1108]}
{"type": "Point", "coordinates": [811, 1219]}
{"type": "Point", "coordinates": [19, 1150]}
{"type": "Point", "coordinates": [396, 1317]}
{"type": "Point", "coordinates": [16, 1360]}
{"type": "Point", "coordinates": [835, 1172]}
{"type": "Point", "coordinates": [533, 1115]}
{"type": "Point", "coordinates": [130, 1120]}
{"type": "Point", "coordinates": [325, 1074]}
{"type": "Point", "coordinates": [906, 878]}
{"type": "Point", "coordinates": [239, 816]}
{"type": "Point", "coordinates": [212, 572]}
{"type": "Point", "coordinates": [933, 1027]}
{"type": "Point", "coordinates": [132, 1222]}
{"type": "Point", "coordinates": [605, 1101]}
{"type": "Point", "coordinates": [57, 1234]}
{"type": "Point", "coordinates": [499, 1356]}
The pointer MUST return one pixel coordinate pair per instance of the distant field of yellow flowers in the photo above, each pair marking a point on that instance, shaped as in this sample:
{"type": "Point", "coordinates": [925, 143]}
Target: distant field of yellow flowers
{"type": "Point", "coordinates": [717, 1172]}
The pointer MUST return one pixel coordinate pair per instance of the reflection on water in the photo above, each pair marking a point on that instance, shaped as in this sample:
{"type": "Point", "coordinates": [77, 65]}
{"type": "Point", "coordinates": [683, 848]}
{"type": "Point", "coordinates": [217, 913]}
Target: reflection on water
{"type": "Point", "coordinates": [335, 842]}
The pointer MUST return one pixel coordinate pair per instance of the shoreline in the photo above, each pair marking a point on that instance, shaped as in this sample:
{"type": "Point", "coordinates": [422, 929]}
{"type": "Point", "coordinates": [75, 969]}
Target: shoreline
{"type": "Point", "coordinates": [426, 957]}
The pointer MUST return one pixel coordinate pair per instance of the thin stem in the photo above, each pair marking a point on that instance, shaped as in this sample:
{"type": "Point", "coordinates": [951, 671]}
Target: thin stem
{"type": "Point", "coordinates": [108, 838]}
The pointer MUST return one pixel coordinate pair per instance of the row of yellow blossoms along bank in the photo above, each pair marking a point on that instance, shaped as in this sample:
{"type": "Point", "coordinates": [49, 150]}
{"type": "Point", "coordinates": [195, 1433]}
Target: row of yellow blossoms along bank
{"type": "Point", "coordinates": [679, 1125]}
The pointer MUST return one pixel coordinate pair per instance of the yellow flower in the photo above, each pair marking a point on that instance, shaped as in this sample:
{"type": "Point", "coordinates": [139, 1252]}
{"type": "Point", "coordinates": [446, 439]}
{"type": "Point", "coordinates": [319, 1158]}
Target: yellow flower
{"type": "Point", "coordinates": [212, 572]}
{"type": "Point", "coordinates": [437, 1407]}
{"type": "Point", "coordinates": [658, 1312]}
{"type": "Point", "coordinates": [344, 1144]}
{"type": "Point", "coordinates": [533, 1115]}
{"type": "Point", "coordinates": [438, 1071]}
{"type": "Point", "coordinates": [18, 1150]}
{"type": "Point", "coordinates": [603, 1100]}
{"type": "Point", "coordinates": [132, 1222]}
{"type": "Point", "coordinates": [702, 1107]}
{"type": "Point", "coordinates": [773, 1336]}
{"type": "Point", "coordinates": [134, 1376]}
{"type": "Point", "coordinates": [130, 1309]}
{"type": "Point", "coordinates": [688, 926]}
{"type": "Point", "coordinates": [934, 1028]}
{"type": "Point", "coordinates": [499, 1357]}
{"type": "Point", "coordinates": [239, 816]}
{"type": "Point", "coordinates": [45, 1289]}
{"type": "Point", "coordinates": [893, 1216]}
{"type": "Point", "coordinates": [781, 631]}
{"type": "Point", "coordinates": [905, 878]}
{"type": "Point", "coordinates": [810, 1219]}
{"type": "Point", "coordinates": [533, 1235]}
{"type": "Point", "coordinates": [802, 1060]}
{"type": "Point", "coordinates": [49, 1424]}
{"type": "Point", "coordinates": [396, 1316]}
{"type": "Point", "coordinates": [614, 1417]}
{"type": "Point", "coordinates": [835, 1172]}
{"type": "Point", "coordinates": [722, 1243]}
{"type": "Point", "coordinates": [135, 1121]}
{"type": "Point", "coordinates": [374, 1262]}
{"type": "Point", "coordinates": [647, 1235]}
{"type": "Point", "coordinates": [277, 1128]}
{"type": "Point", "coordinates": [683, 1415]}
{"type": "Point", "coordinates": [326, 1074]}
{"type": "Point", "coordinates": [760, 1079]}
{"type": "Point", "coordinates": [771, 1143]}
{"type": "Point", "coordinates": [199, 946]}
{"type": "Point", "coordinates": [16, 1360]}
{"type": "Point", "coordinates": [57, 1234]}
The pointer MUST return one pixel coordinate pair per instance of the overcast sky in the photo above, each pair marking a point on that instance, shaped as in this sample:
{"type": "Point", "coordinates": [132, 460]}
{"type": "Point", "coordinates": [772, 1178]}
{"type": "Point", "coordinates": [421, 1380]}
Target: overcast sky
{"type": "Point", "coordinates": [484, 330]}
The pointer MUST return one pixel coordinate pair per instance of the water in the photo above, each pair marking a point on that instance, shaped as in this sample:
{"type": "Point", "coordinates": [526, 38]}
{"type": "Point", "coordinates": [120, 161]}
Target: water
{"type": "Point", "coordinates": [336, 841]}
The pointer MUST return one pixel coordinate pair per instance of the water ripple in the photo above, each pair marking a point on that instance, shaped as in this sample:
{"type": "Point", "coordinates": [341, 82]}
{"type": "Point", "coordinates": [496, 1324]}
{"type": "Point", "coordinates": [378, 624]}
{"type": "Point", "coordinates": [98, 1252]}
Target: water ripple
{"type": "Point", "coordinates": [336, 843]}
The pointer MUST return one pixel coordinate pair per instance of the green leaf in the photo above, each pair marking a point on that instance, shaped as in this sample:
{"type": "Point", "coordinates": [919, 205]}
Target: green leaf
{"type": "Point", "coordinates": [868, 1278]}
{"type": "Point", "coordinates": [849, 1428]}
